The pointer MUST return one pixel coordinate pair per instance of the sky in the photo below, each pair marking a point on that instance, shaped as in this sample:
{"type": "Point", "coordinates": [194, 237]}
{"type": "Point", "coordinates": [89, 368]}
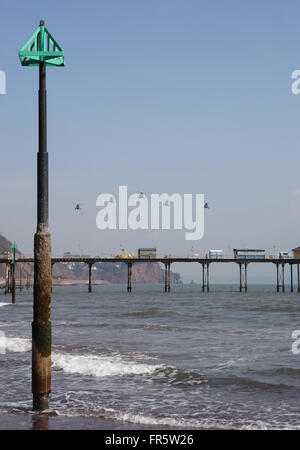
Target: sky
{"type": "Point", "coordinates": [163, 96]}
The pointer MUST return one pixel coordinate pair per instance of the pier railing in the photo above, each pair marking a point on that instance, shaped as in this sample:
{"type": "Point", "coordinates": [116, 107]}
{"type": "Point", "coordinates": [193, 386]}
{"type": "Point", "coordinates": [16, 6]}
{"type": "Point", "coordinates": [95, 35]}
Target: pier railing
{"type": "Point", "coordinates": [166, 260]}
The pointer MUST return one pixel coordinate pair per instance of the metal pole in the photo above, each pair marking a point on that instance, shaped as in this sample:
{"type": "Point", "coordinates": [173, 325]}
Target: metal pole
{"type": "Point", "coordinates": [41, 325]}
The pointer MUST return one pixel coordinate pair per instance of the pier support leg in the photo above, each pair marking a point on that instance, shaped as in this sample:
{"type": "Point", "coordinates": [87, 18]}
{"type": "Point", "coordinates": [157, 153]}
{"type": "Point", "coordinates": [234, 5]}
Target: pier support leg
{"type": "Point", "coordinates": [6, 279]}
{"type": "Point", "coordinates": [280, 277]}
{"type": "Point", "coordinates": [52, 264]}
{"type": "Point", "coordinates": [292, 282]}
{"type": "Point", "coordinates": [243, 276]}
{"type": "Point", "coordinates": [129, 278]}
{"type": "Point", "coordinates": [166, 277]}
{"type": "Point", "coordinates": [205, 277]}
{"type": "Point", "coordinates": [298, 278]}
{"type": "Point", "coordinates": [9, 280]}
{"type": "Point", "coordinates": [241, 285]}
{"type": "Point", "coordinates": [20, 279]}
{"type": "Point", "coordinates": [90, 277]}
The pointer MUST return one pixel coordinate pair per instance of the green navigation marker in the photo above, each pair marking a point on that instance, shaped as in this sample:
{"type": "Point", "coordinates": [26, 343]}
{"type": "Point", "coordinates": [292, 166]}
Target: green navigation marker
{"type": "Point", "coordinates": [41, 47]}
{"type": "Point", "coordinates": [42, 50]}
{"type": "Point", "coordinates": [14, 245]}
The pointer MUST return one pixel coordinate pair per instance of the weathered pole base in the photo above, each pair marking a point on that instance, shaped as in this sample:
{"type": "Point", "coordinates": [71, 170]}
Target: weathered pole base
{"type": "Point", "coordinates": [41, 326]}
{"type": "Point", "coordinates": [41, 401]}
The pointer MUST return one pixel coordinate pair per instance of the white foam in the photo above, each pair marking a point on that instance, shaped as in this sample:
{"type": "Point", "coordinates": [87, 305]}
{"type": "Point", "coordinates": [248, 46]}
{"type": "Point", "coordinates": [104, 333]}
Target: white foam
{"type": "Point", "coordinates": [17, 345]}
{"type": "Point", "coordinates": [172, 421]}
{"type": "Point", "coordinates": [100, 366]}
{"type": "Point", "coordinates": [141, 419]}
{"type": "Point", "coordinates": [4, 304]}
{"type": "Point", "coordinates": [175, 421]}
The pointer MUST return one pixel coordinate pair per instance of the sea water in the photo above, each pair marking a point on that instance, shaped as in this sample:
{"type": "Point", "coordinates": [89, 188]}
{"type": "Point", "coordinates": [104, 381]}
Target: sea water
{"type": "Point", "coordinates": [182, 360]}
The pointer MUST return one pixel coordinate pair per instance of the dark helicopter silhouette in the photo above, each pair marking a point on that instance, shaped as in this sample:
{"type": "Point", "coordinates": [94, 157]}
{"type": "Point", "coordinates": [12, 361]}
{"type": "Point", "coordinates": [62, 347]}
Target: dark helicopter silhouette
{"type": "Point", "coordinates": [77, 207]}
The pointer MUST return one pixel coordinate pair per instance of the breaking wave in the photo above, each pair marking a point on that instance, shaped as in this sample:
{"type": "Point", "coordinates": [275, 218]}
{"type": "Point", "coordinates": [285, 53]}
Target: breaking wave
{"type": "Point", "coordinates": [17, 345]}
{"type": "Point", "coordinates": [100, 366]}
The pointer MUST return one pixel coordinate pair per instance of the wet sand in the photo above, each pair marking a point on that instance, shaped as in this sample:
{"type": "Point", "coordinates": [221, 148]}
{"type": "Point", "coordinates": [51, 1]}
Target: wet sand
{"type": "Point", "coordinates": [51, 421]}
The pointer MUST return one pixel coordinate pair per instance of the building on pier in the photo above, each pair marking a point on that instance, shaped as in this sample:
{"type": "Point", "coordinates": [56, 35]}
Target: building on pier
{"type": "Point", "coordinates": [296, 252]}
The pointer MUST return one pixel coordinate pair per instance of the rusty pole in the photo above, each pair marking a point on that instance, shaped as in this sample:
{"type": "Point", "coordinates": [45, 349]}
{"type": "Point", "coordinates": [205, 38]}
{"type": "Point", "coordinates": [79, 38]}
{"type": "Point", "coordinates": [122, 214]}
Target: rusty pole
{"type": "Point", "coordinates": [41, 325]}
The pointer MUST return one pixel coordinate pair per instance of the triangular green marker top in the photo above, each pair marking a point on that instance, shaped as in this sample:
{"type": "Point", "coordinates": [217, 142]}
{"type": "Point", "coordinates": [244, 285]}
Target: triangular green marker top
{"type": "Point", "coordinates": [41, 47]}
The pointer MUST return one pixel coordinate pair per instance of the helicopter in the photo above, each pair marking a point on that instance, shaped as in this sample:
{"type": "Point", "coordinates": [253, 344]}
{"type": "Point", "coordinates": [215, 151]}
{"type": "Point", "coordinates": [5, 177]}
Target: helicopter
{"type": "Point", "coordinates": [77, 207]}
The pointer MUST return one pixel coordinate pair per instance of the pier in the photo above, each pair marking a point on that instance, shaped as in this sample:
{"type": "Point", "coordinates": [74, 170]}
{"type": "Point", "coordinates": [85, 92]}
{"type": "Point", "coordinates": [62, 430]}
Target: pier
{"type": "Point", "coordinates": [166, 261]}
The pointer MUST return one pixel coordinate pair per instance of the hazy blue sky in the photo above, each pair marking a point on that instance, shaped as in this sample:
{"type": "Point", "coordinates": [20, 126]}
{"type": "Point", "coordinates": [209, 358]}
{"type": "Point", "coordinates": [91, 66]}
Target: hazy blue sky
{"type": "Point", "coordinates": [162, 96]}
